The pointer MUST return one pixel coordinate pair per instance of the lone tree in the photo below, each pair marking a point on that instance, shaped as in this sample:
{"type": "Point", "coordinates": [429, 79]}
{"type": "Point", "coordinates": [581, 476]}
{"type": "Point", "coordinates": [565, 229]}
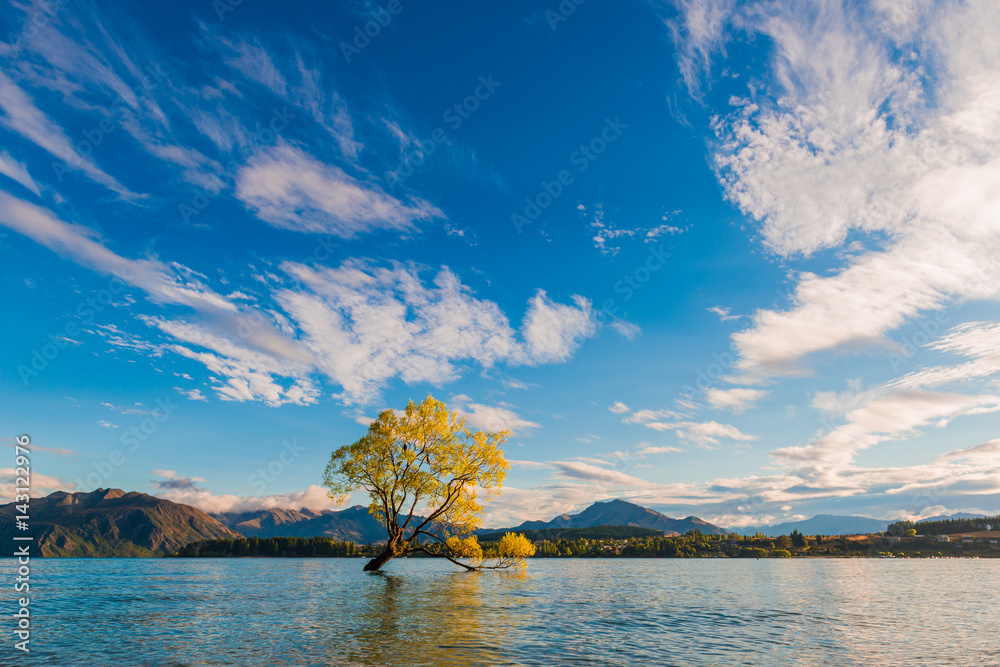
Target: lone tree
{"type": "Point", "coordinates": [427, 460]}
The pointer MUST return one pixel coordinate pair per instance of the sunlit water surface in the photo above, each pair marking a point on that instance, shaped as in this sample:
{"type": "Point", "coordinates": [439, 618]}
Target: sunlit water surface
{"type": "Point", "coordinates": [557, 612]}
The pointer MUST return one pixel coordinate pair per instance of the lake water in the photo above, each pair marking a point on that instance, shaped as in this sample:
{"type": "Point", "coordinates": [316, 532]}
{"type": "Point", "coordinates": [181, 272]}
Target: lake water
{"type": "Point", "coordinates": [557, 612]}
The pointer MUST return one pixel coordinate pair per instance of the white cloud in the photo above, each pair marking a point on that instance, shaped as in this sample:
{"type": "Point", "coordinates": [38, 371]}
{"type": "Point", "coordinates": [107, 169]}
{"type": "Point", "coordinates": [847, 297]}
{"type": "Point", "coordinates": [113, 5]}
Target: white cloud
{"type": "Point", "coordinates": [735, 400]}
{"type": "Point", "coordinates": [553, 331]}
{"type": "Point", "coordinates": [887, 417]}
{"type": "Point", "coordinates": [163, 283]}
{"type": "Point", "coordinates": [359, 326]}
{"type": "Point", "coordinates": [254, 62]}
{"type": "Point", "coordinates": [619, 408]}
{"type": "Point", "coordinates": [16, 171]}
{"type": "Point", "coordinates": [193, 394]}
{"type": "Point", "coordinates": [646, 416]}
{"type": "Point", "coordinates": [290, 189]}
{"type": "Point", "coordinates": [723, 313]}
{"type": "Point", "coordinates": [698, 34]}
{"type": "Point", "coordinates": [605, 231]}
{"type": "Point", "coordinates": [653, 449]}
{"type": "Point", "coordinates": [978, 341]}
{"type": "Point", "coordinates": [490, 417]}
{"type": "Point", "coordinates": [595, 473]}
{"type": "Point", "coordinates": [24, 118]}
{"type": "Point", "coordinates": [703, 434]}
{"type": "Point", "coordinates": [865, 123]}
{"type": "Point", "coordinates": [41, 485]}
{"type": "Point", "coordinates": [366, 325]}
{"type": "Point", "coordinates": [314, 497]}
{"type": "Point", "coordinates": [530, 465]}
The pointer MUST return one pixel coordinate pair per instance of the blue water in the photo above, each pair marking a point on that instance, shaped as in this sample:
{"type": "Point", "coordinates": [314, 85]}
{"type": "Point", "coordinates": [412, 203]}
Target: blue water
{"type": "Point", "coordinates": [557, 612]}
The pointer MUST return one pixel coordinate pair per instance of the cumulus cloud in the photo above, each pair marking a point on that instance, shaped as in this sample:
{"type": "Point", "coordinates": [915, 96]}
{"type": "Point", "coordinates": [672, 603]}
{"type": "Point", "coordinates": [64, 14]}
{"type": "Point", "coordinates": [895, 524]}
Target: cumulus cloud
{"type": "Point", "coordinates": [553, 331]}
{"type": "Point", "coordinates": [314, 498]}
{"type": "Point", "coordinates": [619, 408]}
{"type": "Point", "coordinates": [359, 326]}
{"type": "Point", "coordinates": [365, 325]}
{"type": "Point", "coordinates": [41, 485]}
{"type": "Point", "coordinates": [490, 417]}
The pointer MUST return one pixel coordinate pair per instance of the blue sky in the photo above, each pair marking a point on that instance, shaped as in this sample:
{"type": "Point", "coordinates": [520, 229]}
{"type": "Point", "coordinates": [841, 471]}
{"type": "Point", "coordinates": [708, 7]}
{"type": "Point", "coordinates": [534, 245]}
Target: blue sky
{"type": "Point", "coordinates": [737, 260]}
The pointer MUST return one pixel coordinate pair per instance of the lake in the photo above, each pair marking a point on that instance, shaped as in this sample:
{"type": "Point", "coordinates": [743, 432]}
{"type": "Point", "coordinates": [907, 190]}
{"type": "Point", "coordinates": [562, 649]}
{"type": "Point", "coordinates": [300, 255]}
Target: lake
{"type": "Point", "coordinates": [557, 612]}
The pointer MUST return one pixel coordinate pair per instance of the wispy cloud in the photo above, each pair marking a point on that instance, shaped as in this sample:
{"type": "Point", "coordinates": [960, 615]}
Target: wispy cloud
{"type": "Point", "coordinates": [16, 171]}
{"type": "Point", "coordinates": [290, 189]}
{"type": "Point", "coordinates": [703, 434]}
{"type": "Point", "coordinates": [23, 117]}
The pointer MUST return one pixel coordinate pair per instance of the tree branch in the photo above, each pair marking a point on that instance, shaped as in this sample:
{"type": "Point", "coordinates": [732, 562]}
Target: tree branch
{"type": "Point", "coordinates": [470, 568]}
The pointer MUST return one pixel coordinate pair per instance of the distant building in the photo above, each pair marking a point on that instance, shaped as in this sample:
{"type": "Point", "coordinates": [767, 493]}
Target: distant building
{"type": "Point", "coordinates": [943, 538]}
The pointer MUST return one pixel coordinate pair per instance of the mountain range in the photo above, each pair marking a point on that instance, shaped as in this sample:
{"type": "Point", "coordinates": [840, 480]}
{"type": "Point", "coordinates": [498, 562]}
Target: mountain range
{"type": "Point", "coordinates": [821, 524]}
{"type": "Point", "coordinates": [623, 513]}
{"type": "Point", "coordinates": [354, 524]}
{"type": "Point", "coordinates": [827, 524]}
{"type": "Point", "coordinates": [109, 522]}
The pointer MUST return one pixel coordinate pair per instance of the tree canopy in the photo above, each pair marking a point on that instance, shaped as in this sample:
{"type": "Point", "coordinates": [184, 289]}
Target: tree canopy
{"type": "Point", "coordinates": [425, 459]}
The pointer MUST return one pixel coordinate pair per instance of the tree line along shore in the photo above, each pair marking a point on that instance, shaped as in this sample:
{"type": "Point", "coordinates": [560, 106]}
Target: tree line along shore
{"type": "Point", "coordinates": [979, 539]}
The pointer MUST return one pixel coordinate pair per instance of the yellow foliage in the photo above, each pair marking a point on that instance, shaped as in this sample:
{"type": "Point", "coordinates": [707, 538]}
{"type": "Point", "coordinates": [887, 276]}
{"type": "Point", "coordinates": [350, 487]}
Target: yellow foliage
{"type": "Point", "coordinates": [512, 549]}
{"type": "Point", "coordinates": [467, 548]}
{"type": "Point", "coordinates": [425, 460]}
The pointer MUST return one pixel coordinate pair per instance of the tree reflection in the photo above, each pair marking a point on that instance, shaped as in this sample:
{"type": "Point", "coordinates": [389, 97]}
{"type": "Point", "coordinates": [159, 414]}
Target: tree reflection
{"type": "Point", "coordinates": [421, 618]}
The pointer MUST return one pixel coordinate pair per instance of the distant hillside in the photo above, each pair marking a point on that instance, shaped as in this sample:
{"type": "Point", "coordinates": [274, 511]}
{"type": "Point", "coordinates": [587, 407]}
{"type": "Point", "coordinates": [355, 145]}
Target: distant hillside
{"type": "Point", "coordinates": [354, 524]}
{"type": "Point", "coordinates": [947, 517]}
{"type": "Point", "coordinates": [623, 513]}
{"type": "Point", "coordinates": [592, 533]}
{"type": "Point", "coordinates": [110, 522]}
{"type": "Point", "coordinates": [821, 524]}
{"type": "Point", "coordinates": [265, 523]}
{"type": "Point", "coordinates": [947, 526]}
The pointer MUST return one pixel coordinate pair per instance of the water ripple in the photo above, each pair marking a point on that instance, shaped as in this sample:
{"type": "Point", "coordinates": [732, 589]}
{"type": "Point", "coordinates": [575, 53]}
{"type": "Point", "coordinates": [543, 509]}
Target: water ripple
{"type": "Point", "coordinates": [193, 613]}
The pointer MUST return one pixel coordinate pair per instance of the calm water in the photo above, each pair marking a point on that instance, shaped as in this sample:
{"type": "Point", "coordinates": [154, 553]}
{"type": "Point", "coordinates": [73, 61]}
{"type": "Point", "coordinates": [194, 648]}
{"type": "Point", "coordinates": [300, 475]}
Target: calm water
{"type": "Point", "coordinates": [558, 612]}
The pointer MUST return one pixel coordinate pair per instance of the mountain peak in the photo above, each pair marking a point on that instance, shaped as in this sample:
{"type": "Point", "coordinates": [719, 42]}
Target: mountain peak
{"type": "Point", "coordinates": [618, 512]}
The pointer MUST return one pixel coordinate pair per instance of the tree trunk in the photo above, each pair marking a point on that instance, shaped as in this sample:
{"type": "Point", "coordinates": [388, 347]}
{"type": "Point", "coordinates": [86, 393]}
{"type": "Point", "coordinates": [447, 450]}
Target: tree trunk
{"type": "Point", "coordinates": [376, 563]}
